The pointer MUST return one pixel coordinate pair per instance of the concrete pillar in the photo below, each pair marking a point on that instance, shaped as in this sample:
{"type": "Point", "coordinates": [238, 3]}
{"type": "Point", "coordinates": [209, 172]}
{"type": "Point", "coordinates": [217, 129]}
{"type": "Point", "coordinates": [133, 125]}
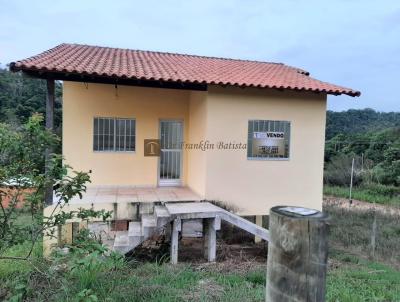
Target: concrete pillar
{"type": "Point", "coordinates": [176, 228]}
{"type": "Point", "coordinates": [211, 226]}
{"type": "Point", "coordinates": [259, 220]}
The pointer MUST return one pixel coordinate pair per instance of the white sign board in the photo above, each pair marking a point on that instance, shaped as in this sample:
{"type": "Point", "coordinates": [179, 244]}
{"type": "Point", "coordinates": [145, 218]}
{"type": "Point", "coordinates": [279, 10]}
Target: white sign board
{"type": "Point", "coordinates": [269, 143]}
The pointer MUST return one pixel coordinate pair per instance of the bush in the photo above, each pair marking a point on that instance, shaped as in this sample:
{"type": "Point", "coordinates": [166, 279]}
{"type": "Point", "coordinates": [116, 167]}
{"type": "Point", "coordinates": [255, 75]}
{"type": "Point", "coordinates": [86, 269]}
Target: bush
{"type": "Point", "coordinates": [379, 189]}
{"type": "Point", "coordinates": [387, 173]}
{"type": "Point", "coordinates": [338, 171]}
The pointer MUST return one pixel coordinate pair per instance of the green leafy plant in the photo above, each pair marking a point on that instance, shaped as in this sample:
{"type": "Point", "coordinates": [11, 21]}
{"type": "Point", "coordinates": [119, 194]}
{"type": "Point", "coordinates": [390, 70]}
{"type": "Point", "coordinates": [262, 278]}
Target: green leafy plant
{"type": "Point", "coordinates": [86, 295]}
{"type": "Point", "coordinates": [24, 179]}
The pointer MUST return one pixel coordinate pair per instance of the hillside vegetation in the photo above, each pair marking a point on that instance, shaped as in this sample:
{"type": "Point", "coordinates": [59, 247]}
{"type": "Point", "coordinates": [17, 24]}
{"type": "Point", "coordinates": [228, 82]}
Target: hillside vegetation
{"type": "Point", "coordinates": [359, 121]}
{"type": "Point", "coordinates": [372, 139]}
{"type": "Point", "coordinates": [21, 96]}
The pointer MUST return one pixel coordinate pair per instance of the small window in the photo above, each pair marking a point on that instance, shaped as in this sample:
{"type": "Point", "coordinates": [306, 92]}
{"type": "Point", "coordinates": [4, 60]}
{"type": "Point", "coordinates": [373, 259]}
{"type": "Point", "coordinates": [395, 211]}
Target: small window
{"type": "Point", "coordinates": [268, 139]}
{"type": "Point", "coordinates": [113, 134]}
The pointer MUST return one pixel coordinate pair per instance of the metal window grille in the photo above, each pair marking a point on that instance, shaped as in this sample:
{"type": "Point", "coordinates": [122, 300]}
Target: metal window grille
{"type": "Point", "coordinates": [113, 134]}
{"type": "Point", "coordinates": [268, 151]}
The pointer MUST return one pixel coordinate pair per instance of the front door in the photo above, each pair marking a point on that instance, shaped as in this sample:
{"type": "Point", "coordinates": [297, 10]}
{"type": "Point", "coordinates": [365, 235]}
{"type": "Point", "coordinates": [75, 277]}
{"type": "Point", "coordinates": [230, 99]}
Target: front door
{"type": "Point", "coordinates": [170, 165]}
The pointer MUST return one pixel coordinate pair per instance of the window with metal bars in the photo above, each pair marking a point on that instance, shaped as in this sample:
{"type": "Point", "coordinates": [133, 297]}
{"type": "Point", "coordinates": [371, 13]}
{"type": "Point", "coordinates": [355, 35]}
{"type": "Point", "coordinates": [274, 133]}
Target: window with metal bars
{"type": "Point", "coordinates": [113, 134]}
{"type": "Point", "coordinates": [268, 139]}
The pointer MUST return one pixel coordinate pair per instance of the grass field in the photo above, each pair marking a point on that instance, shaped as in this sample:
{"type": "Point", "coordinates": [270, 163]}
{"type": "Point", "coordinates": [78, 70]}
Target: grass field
{"type": "Point", "coordinates": [352, 276]}
{"type": "Point", "coordinates": [354, 279]}
{"type": "Point", "coordinates": [363, 194]}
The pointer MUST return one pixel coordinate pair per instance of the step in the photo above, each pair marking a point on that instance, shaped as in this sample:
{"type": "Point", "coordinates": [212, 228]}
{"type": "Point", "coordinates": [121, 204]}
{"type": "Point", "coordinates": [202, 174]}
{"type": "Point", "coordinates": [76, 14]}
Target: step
{"type": "Point", "coordinates": [121, 242]}
{"type": "Point", "coordinates": [163, 216]}
{"type": "Point", "coordinates": [135, 228]}
{"type": "Point", "coordinates": [135, 234]}
{"type": "Point", "coordinates": [123, 249]}
{"type": "Point", "coordinates": [149, 220]}
{"type": "Point", "coordinates": [161, 212]}
{"type": "Point", "coordinates": [149, 225]}
{"type": "Point", "coordinates": [121, 238]}
{"type": "Point", "coordinates": [134, 241]}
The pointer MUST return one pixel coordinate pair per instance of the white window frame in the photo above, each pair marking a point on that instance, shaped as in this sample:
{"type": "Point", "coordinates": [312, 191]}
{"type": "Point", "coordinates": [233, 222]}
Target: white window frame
{"type": "Point", "coordinates": [250, 145]}
{"type": "Point", "coordinates": [115, 119]}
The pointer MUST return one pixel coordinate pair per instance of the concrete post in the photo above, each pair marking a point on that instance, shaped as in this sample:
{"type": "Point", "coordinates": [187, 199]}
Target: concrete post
{"type": "Point", "coordinates": [259, 219]}
{"type": "Point", "coordinates": [211, 226]}
{"type": "Point", "coordinates": [176, 228]}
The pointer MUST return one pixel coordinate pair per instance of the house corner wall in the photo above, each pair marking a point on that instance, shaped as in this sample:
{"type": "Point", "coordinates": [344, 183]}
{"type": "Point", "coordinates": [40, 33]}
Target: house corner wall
{"type": "Point", "coordinates": [196, 157]}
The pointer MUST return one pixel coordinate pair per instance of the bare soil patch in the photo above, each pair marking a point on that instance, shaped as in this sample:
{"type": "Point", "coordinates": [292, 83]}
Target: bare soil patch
{"type": "Point", "coordinates": [231, 258]}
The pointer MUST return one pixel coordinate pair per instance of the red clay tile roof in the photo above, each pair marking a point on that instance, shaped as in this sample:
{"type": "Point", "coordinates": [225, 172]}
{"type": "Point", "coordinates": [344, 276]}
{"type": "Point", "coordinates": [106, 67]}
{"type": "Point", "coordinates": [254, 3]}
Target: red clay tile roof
{"type": "Point", "coordinates": [170, 67]}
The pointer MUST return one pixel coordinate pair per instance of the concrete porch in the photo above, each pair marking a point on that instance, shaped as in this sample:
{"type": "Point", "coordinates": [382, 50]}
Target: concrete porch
{"type": "Point", "coordinates": [132, 194]}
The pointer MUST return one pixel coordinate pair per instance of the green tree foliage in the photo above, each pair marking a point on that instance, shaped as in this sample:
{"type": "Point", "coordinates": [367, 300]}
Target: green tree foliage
{"type": "Point", "coordinates": [21, 96]}
{"type": "Point", "coordinates": [359, 121]}
{"type": "Point", "coordinates": [365, 136]}
{"type": "Point", "coordinates": [21, 168]}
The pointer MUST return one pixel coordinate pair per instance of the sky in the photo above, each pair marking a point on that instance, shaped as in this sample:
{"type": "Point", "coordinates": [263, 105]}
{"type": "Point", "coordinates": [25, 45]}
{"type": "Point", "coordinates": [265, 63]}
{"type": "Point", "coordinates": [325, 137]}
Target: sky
{"type": "Point", "coordinates": [353, 43]}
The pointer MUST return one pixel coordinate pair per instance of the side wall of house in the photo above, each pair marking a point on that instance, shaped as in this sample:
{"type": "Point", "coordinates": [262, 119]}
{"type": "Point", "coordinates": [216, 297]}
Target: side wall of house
{"type": "Point", "coordinates": [146, 105]}
{"type": "Point", "coordinates": [254, 186]}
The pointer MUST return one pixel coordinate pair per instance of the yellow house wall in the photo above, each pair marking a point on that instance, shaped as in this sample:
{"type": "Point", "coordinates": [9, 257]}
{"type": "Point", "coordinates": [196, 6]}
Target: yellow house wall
{"type": "Point", "coordinates": [146, 105]}
{"type": "Point", "coordinates": [254, 186]}
{"type": "Point", "coordinates": [220, 114]}
{"type": "Point", "coordinates": [197, 132]}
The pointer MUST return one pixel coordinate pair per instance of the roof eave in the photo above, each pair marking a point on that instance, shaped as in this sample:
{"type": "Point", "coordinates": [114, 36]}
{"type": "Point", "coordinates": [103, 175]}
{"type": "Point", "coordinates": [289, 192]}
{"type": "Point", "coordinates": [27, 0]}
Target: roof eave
{"type": "Point", "coordinates": [191, 85]}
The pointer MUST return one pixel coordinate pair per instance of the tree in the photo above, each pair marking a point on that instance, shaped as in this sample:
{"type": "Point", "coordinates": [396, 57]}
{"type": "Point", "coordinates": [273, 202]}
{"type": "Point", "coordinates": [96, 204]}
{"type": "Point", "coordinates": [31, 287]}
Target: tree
{"type": "Point", "coordinates": [359, 121]}
{"type": "Point", "coordinates": [22, 167]}
{"type": "Point", "coordinates": [21, 96]}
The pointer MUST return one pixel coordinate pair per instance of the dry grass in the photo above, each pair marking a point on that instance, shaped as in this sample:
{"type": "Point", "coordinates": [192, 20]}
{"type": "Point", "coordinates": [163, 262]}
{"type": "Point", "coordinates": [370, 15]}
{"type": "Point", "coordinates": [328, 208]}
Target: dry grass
{"type": "Point", "coordinates": [351, 228]}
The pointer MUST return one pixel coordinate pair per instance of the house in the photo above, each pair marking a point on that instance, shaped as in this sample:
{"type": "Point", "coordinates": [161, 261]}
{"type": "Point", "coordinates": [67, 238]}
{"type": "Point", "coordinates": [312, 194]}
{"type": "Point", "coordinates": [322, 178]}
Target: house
{"type": "Point", "coordinates": [153, 126]}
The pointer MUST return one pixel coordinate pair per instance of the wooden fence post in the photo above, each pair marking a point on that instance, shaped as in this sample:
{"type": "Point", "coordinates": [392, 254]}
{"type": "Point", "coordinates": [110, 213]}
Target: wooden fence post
{"type": "Point", "coordinates": [297, 255]}
{"type": "Point", "coordinates": [48, 195]}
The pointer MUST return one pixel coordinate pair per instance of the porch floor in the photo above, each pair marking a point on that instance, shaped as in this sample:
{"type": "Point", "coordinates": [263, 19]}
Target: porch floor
{"type": "Point", "coordinates": [120, 194]}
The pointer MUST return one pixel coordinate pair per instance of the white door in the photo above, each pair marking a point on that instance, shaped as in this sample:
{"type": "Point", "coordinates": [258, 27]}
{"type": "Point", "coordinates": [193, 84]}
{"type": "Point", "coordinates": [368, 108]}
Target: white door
{"type": "Point", "coordinates": [170, 164]}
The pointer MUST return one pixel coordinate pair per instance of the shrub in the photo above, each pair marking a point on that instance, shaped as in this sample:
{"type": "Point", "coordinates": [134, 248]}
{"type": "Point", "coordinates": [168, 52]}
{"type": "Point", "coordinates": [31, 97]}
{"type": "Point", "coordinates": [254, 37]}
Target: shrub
{"type": "Point", "coordinates": [338, 171]}
{"type": "Point", "coordinates": [379, 189]}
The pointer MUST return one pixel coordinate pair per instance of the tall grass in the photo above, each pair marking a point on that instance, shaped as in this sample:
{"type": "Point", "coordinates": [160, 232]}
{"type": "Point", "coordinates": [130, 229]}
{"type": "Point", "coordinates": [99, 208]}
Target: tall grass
{"type": "Point", "coordinates": [364, 194]}
{"type": "Point", "coordinates": [9, 267]}
{"type": "Point", "coordinates": [12, 267]}
{"type": "Point", "coordinates": [350, 230]}
{"type": "Point", "coordinates": [96, 277]}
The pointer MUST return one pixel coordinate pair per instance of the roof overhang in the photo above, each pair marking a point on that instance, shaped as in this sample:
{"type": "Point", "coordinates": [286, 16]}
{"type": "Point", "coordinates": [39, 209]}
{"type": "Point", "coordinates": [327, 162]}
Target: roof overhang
{"type": "Point", "coordinates": [87, 78]}
{"type": "Point", "coordinates": [85, 63]}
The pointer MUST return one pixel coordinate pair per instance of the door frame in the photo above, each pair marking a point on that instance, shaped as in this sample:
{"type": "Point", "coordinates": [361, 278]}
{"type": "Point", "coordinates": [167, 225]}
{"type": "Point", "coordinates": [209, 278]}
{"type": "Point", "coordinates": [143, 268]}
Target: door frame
{"type": "Point", "coordinates": [177, 182]}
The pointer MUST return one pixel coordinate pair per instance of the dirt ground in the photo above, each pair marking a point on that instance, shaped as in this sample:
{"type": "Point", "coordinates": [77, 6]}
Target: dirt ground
{"type": "Point", "coordinates": [230, 257]}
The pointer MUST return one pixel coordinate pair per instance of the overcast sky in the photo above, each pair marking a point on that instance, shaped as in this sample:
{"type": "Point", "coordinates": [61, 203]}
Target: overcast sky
{"type": "Point", "coordinates": [354, 43]}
